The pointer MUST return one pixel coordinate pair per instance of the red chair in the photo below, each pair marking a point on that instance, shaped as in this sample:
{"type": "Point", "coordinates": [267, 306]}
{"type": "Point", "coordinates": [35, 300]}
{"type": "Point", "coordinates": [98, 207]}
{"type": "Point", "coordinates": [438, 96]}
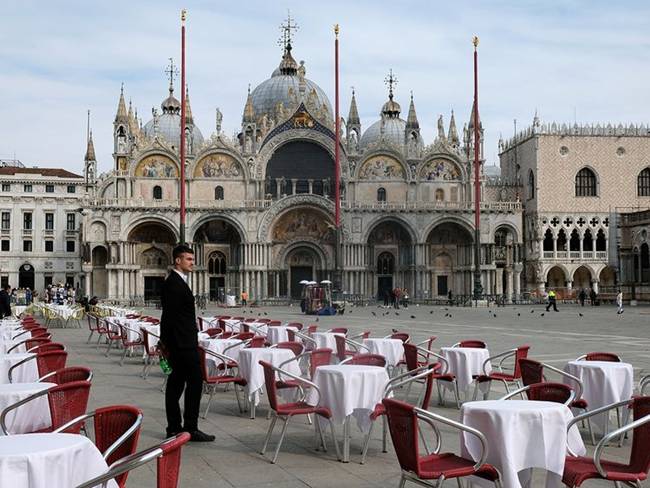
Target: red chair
{"type": "Point", "coordinates": [168, 458]}
{"type": "Point", "coordinates": [285, 411]}
{"type": "Point", "coordinates": [274, 323]}
{"type": "Point", "coordinates": [93, 324]}
{"type": "Point", "coordinates": [131, 338]}
{"type": "Point", "coordinates": [152, 353]}
{"type": "Point", "coordinates": [342, 353]}
{"type": "Point", "coordinates": [297, 325]}
{"type": "Point", "coordinates": [67, 401]}
{"type": "Point", "coordinates": [211, 381]}
{"type": "Point", "coordinates": [578, 469]}
{"type": "Point", "coordinates": [545, 392]}
{"type": "Point", "coordinates": [600, 356]}
{"type": "Point", "coordinates": [48, 346]}
{"type": "Point", "coordinates": [29, 343]}
{"type": "Point", "coordinates": [312, 328]}
{"type": "Point", "coordinates": [296, 347]}
{"type": "Point", "coordinates": [67, 375]}
{"type": "Point", "coordinates": [256, 341]}
{"type": "Point", "coordinates": [471, 343]}
{"type": "Point", "coordinates": [46, 362]}
{"type": "Point", "coordinates": [213, 331]}
{"type": "Point", "coordinates": [366, 360]}
{"type": "Point", "coordinates": [416, 357]}
{"type": "Point", "coordinates": [402, 336]}
{"type": "Point", "coordinates": [425, 374]}
{"type": "Point", "coordinates": [116, 429]}
{"type": "Point", "coordinates": [338, 330]}
{"type": "Point", "coordinates": [113, 334]}
{"type": "Point", "coordinates": [244, 336]}
{"type": "Point", "coordinates": [403, 422]}
{"type": "Point", "coordinates": [520, 353]}
{"type": "Point", "coordinates": [533, 372]}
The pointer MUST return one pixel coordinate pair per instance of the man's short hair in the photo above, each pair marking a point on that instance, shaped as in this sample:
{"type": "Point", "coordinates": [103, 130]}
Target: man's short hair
{"type": "Point", "coordinates": [6, 287]}
{"type": "Point", "coordinates": [181, 249]}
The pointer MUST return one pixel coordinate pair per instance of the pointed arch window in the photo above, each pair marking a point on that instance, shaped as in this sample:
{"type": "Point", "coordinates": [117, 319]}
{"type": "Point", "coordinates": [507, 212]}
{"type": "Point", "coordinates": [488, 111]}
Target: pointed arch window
{"type": "Point", "coordinates": [218, 193]}
{"type": "Point", "coordinates": [385, 263]}
{"type": "Point", "coordinates": [217, 263]}
{"type": "Point", "coordinates": [440, 195]}
{"type": "Point", "coordinates": [643, 183]}
{"type": "Point", "coordinates": [531, 185]}
{"type": "Point", "coordinates": [586, 183]}
{"type": "Point", "coordinates": [157, 193]}
{"type": "Point", "coordinates": [381, 195]}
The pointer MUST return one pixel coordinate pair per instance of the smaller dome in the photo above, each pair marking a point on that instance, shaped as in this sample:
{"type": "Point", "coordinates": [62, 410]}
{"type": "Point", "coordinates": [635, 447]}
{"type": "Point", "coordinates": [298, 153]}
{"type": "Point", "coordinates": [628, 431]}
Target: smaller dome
{"type": "Point", "coordinates": [393, 130]}
{"type": "Point", "coordinates": [170, 105]}
{"type": "Point", "coordinates": [391, 108]}
{"type": "Point", "coordinates": [169, 128]}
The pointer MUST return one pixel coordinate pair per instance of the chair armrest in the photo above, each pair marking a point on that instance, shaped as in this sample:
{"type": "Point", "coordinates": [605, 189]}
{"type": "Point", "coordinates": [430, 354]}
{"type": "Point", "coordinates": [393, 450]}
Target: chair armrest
{"type": "Point", "coordinates": [123, 438]}
{"type": "Point", "coordinates": [435, 354]}
{"type": "Point", "coordinates": [596, 411]}
{"type": "Point", "coordinates": [605, 440]}
{"type": "Point", "coordinates": [572, 396]}
{"type": "Point", "coordinates": [645, 381]}
{"type": "Point", "coordinates": [577, 380]}
{"type": "Point", "coordinates": [422, 372]}
{"type": "Point", "coordinates": [356, 345]}
{"type": "Point", "coordinates": [225, 360]}
{"type": "Point", "coordinates": [295, 358]}
{"type": "Point", "coordinates": [123, 465]}
{"type": "Point", "coordinates": [18, 364]}
{"type": "Point", "coordinates": [457, 425]}
{"type": "Point", "coordinates": [18, 345]}
{"type": "Point", "coordinates": [305, 337]}
{"type": "Point", "coordinates": [74, 421]}
{"type": "Point", "coordinates": [313, 385]}
{"type": "Point", "coordinates": [503, 355]}
{"type": "Point", "coordinates": [433, 425]}
{"type": "Point", "coordinates": [14, 406]}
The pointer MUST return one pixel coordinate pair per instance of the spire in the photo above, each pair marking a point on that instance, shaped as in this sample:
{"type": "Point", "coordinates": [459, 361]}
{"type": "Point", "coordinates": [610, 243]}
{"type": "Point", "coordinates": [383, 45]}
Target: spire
{"type": "Point", "coordinates": [452, 135]}
{"type": "Point", "coordinates": [133, 125]}
{"type": "Point", "coordinates": [188, 110]}
{"type": "Point", "coordinates": [171, 105]}
{"type": "Point", "coordinates": [249, 111]}
{"type": "Point", "coordinates": [90, 149]}
{"type": "Point", "coordinates": [121, 115]}
{"type": "Point", "coordinates": [412, 119]}
{"type": "Point", "coordinates": [353, 115]}
{"type": "Point", "coordinates": [288, 65]}
{"type": "Point", "coordinates": [391, 109]}
{"type": "Point", "coordinates": [471, 120]}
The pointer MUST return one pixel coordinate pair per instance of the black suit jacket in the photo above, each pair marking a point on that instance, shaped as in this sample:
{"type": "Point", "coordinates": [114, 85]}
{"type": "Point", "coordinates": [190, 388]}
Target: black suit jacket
{"type": "Point", "coordinates": [5, 305]}
{"type": "Point", "coordinates": [178, 321]}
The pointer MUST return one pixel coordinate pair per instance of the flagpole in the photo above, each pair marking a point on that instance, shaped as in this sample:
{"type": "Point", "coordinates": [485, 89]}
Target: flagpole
{"type": "Point", "coordinates": [337, 164]}
{"type": "Point", "coordinates": [182, 148]}
{"type": "Point", "coordinates": [478, 288]}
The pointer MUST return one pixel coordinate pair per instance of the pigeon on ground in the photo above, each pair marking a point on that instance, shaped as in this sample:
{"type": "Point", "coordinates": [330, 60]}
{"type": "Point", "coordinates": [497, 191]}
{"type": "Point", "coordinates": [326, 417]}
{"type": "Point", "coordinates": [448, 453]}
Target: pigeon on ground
{"type": "Point", "coordinates": [430, 311]}
{"type": "Point", "coordinates": [316, 319]}
{"type": "Point", "coordinates": [532, 311]}
{"type": "Point", "coordinates": [518, 315]}
{"type": "Point", "coordinates": [449, 315]}
{"type": "Point", "coordinates": [495, 315]}
{"type": "Point", "coordinates": [542, 314]}
{"type": "Point", "coordinates": [412, 316]}
{"type": "Point", "coordinates": [580, 314]}
{"type": "Point", "coordinates": [396, 313]}
{"type": "Point", "coordinates": [374, 314]}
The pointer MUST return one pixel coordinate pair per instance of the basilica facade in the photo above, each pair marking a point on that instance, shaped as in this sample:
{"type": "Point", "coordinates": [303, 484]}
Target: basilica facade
{"type": "Point", "coordinates": [260, 208]}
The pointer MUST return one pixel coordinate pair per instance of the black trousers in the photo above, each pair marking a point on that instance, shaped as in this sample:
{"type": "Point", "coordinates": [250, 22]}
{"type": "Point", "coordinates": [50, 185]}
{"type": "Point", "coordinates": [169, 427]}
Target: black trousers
{"type": "Point", "coordinates": [186, 375]}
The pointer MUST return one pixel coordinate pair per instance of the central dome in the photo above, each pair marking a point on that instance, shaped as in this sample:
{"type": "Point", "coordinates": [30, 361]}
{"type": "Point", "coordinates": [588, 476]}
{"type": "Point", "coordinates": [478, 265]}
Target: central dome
{"type": "Point", "coordinates": [284, 87]}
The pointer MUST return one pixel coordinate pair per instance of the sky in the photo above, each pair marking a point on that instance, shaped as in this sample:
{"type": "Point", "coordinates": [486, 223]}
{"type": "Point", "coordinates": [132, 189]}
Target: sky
{"type": "Point", "coordinates": [572, 61]}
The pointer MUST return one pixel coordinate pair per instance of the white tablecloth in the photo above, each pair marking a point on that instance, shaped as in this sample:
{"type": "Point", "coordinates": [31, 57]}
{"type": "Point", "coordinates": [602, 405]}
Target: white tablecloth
{"type": "Point", "coordinates": [6, 344]}
{"type": "Point", "coordinates": [277, 334]}
{"type": "Point", "coordinates": [604, 382]}
{"type": "Point", "coordinates": [219, 346]}
{"type": "Point", "coordinates": [464, 362]}
{"type": "Point", "coordinates": [349, 390]}
{"type": "Point", "coordinates": [521, 434]}
{"type": "Point", "coordinates": [26, 373]}
{"type": "Point", "coordinates": [231, 325]}
{"type": "Point", "coordinates": [10, 329]}
{"type": "Point", "coordinates": [49, 461]}
{"type": "Point", "coordinates": [32, 416]}
{"type": "Point", "coordinates": [250, 368]}
{"type": "Point", "coordinates": [391, 349]}
{"type": "Point", "coordinates": [326, 339]}
{"type": "Point", "coordinates": [258, 328]}
{"type": "Point", "coordinates": [152, 329]}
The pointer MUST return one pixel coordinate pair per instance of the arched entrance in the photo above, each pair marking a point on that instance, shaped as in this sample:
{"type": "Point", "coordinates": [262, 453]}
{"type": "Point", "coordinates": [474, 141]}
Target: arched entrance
{"type": "Point", "coordinates": [450, 259]}
{"type": "Point", "coordinates": [607, 280]}
{"type": "Point", "coordinates": [219, 257]}
{"type": "Point", "coordinates": [153, 243]}
{"type": "Point", "coordinates": [303, 264]}
{"type": "Point", "coordinates": [26, 276]}
{"type": "Point", "coordinates": [582, 278]}
{"type": "Point", "coordinates": [99, 283]}
{"type": "Point", "coordinates": [555, 278]}
{"type": "Point", "coordinates": [385, 271]}
{"type": "Point", "coordinates": [392, 237]}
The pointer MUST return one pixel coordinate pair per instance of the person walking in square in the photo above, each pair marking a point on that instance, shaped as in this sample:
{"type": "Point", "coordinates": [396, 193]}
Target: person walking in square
{"type": "Point", "coordinates": [619, 302]}
{"type": "Point", "coordinates": [178, 335]}
{"type": "Point", "coordinates": [582, 296]}
{"type": "Point", "coordinates": [552, 302]}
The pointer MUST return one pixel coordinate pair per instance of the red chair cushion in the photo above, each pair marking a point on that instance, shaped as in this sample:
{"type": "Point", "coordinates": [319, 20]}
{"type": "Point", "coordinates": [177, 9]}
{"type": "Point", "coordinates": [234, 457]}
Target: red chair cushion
{"type": "Point", "coordinates": [451, 466]}
{"type": "Point", "coordinates": [215, 380]}
{"type": "Point", "coordinates": [579, 469]}
{"type": "Point", "coordinates": [582, 404]}
{"type": "Point", "coordinates": [378, 411]}
{"type": "Point", "coordinates": [302, 408]}
{"type": "Point", "coordinates": [495, 376]}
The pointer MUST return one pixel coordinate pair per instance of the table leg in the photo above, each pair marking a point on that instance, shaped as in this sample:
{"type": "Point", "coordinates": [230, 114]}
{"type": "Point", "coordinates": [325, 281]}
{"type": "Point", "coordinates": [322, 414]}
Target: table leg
{"type": "Point", "coordinates": [346, 440]}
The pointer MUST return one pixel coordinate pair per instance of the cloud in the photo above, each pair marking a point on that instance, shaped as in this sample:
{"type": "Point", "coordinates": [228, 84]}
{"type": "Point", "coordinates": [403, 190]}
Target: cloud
{"type": "Point", "coordinates": [586, 59]}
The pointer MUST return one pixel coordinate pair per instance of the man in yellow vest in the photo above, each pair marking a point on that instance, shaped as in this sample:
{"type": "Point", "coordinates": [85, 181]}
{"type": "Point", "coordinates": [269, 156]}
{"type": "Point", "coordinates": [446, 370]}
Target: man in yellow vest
{"type": "Point", "coordinates": [551, 301]}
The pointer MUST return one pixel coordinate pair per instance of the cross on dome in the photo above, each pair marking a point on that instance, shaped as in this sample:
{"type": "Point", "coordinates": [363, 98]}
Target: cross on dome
{"type": "Point", "coordinates": [287, 28]}
{"type": "Point", "coordinates": [172, 72]}
{"type": "Point", "coordinates": [390, 81]}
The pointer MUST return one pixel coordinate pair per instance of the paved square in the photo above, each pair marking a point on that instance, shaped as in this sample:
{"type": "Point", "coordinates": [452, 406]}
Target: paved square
{"type": "Point", "coordinates": [233, 460]}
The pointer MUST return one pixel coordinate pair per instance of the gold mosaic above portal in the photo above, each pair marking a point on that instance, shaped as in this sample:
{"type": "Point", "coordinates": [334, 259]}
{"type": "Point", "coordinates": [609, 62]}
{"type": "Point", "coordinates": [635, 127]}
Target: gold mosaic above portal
{"type": "Point", "coordinates": [218, 166]}
{"type": "Point", "coordinates": [157, 166]}
{"type": "Point", "coordinates": [382, 168]}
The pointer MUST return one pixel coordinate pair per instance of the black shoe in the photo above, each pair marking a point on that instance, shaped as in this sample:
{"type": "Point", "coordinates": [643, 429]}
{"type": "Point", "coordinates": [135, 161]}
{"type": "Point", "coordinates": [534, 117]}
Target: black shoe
{"type": "Point", "coordinates": [172, 433]}
{"type": "Point", "coordinates": [198, 436]}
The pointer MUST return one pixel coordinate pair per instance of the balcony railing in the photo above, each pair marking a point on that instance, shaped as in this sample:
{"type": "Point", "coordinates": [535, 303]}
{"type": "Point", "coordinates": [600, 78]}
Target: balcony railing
{"type": "Point", "coordinates": [439, 205]}
{"type": "Point", "coordinates": [584, 256]}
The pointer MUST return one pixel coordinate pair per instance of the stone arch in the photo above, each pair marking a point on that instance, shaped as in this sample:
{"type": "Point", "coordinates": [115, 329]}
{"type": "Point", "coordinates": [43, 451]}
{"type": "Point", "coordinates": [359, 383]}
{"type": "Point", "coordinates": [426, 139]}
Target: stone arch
{"type": "Point", "coordinates": [556, 277]}
{"type": "Point", "coordinates": [446, 169]}
{"type": "Point", "coordinates": [156, 164]}
{"type": "Point", "coordinates": [464, 224]}
{"type": "Point", "coordinates": [582, 177]}
{"type": "Point", "coordinates": [512, 229]}
{"type": "Point", "coordinates": [220, 164]}
{"type": "Point", "coordinates": [299, 222]}
{"type": "Point", "coordinates": [374, 168]}
{"type": "Point", "coordinates": [607, 278]}
{"type": "Point", "coordinates": [397, 220]}
{"type": "Point", "coordinates": [97, 231]}
{"type": "Point", "coordinates": [154, 257]}
{"type": "Point", "coordinates": [582, 277]}
{"type": "Point", "coordinates": [99, 274]}
{"type": "Point", "coordinates": [207, 218]}
{"type": "Point", "coordinates": [293, 201]}
{"type": "Point", "coordinates": [161, 220]}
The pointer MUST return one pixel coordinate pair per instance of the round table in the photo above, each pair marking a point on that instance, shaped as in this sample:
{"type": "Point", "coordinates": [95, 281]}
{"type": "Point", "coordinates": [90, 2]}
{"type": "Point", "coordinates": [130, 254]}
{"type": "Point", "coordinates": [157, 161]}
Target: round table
{"type": "Point", "coordinates": [252, 371]}
{"type": "Point", "coordinates": [465, 363]}
{"type": "Point", "coordinates": [49, 461]}
{"type": "Point", "coordinates": [28, 372]}
{"type": "Point", "coordinates": [279, 333]}
{"type": "Point", "coordinates": [604, 382]}
{"type": "Point", "coordinates": [34, 415]}
{"type": "Point", "coordinates": [326, 340]}
{"type": "Point", "coordinates": [391, 349]}
{"type": "Point", "coordinates": [349, 390]}
{"type": "Point", "coordinates": [521, 434]}
{"type": "Point", "coordinates": [220, 345]}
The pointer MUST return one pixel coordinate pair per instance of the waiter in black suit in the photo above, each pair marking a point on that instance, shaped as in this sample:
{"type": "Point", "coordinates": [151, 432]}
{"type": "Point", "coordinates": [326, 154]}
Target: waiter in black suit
{"type": "Point", "coordinates": [5, 303]}
{"type": "Point", "coordinates": [178, 333]}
